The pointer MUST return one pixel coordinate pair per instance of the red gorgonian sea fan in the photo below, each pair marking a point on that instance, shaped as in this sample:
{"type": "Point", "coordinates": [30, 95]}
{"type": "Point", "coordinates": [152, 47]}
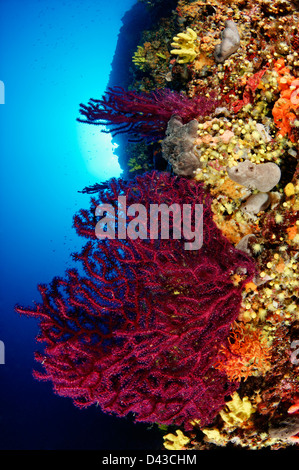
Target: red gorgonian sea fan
{"type": "Point", "coordinates": [140, 332]}
{"type": "Point", "coordinates": [141, 114]}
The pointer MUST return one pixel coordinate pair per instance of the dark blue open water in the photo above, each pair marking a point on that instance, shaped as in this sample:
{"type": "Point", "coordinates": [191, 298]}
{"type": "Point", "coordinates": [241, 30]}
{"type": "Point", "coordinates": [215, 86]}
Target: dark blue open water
{"type": "Point", "coordinates": [54, 54]}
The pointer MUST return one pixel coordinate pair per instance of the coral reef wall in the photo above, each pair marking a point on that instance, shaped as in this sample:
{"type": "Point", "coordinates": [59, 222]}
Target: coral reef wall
{"type": "Point", "coordinates": [206, 342]}
{"type": "Point", "coordinates": [245, 55]}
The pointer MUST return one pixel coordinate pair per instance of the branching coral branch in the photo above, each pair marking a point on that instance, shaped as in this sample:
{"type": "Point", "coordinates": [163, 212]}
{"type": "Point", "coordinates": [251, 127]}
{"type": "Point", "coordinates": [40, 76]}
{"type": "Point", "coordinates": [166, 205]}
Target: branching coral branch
{"type": "Point", "coordinates": [143, 114]}
{"type": "Point", "coordinates": [140, 332]}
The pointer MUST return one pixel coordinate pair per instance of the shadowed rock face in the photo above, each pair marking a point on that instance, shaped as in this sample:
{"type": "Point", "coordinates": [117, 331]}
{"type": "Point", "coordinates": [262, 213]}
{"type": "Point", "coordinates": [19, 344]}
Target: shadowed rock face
{"type": "Point", "coordinates": [230, 42]}
{"type": "Point", "coordinates": [262, 177]}
{"type": "Point", "coordinates": [286, 428]}
{"type": "Point", "coordinates": [177, 147]}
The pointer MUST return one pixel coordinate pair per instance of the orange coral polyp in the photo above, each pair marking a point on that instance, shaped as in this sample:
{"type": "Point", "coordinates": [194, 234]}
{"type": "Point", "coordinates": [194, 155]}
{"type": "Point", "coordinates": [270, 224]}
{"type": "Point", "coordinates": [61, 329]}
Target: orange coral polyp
{"type": "Point", "coordinates": [292, 232]}
{"type": "Point", "coordinates": [246, 354]}
{"type": "Point", "coordinates": [288, 100]}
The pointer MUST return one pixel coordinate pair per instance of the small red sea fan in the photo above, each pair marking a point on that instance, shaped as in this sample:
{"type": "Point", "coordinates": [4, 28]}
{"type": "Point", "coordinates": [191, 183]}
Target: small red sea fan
{"type": "Point", "coordinates": [141, 331]}
{"type": "Point", "coordinates": [143, 115]}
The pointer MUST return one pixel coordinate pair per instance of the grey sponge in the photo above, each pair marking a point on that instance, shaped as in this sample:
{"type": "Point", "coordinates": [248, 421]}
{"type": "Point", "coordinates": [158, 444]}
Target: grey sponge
{"type": "Point", "coordinates": [230, 42]}
{"type": "Point", "coordinates": [262, 177]}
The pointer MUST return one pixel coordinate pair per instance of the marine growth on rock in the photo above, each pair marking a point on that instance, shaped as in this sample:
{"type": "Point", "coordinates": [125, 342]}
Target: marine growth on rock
{"type": "Point", "coordinates": [205, 340]}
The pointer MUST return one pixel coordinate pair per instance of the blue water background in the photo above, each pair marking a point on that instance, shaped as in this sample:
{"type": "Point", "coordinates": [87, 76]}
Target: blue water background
{"type": "Point", "coordinates": [54, 54]}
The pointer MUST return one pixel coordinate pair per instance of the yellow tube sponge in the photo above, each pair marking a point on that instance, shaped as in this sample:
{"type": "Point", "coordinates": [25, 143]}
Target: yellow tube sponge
{"type": "Point", "coordinates": [239, 411]}
{"type": "Point", "coordinates": [175, 442]}
{"type": "Point", "coordinates": [139, 58]}
{"type": "Point", "coordinates": [184, 46]}
{"type": "Point", "coordinates": [214, 436]}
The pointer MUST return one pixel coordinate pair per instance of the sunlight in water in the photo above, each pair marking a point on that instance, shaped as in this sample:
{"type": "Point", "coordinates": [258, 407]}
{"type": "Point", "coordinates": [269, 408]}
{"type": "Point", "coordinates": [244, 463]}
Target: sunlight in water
{"type": "Point", "coordinates": [98, 153]}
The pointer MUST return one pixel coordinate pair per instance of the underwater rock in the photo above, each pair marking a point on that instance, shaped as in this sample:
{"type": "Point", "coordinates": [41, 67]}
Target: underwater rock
{"type": "Point", "coordinates": [230, 42]}
{"type": "Point", "coordinates": [177, 147]}
{"type": "Point", "coordinates": [286, 428]}
{"type": "Point", "coordinates": [262, 177]}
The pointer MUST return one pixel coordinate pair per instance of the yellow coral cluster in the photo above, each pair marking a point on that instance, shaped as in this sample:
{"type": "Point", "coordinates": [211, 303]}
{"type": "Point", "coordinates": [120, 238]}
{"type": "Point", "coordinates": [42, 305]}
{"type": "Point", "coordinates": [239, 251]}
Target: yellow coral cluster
{"type": "Point", "coordinates": [274, 302]}
{"type": "Point", "coordinates": [185, 46]}
{"type": "Point", "coordinates": [237, 414]}
{"type": "Point", "coordinates": [237, 411]}
{"type": "Point", "coordinates": [139, 58]}
{"type": "Point", "coordinates": [230, 141]}
{"type": "Point", "coordinates": [176, 441]}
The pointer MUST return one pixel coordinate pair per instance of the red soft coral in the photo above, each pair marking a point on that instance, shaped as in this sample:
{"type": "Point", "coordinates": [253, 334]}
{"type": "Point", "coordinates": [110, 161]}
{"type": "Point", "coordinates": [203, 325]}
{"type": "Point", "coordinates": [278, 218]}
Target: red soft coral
{"type": "Point", "coordinates": [145, 115]}
{"type": "Point", "coordinates": [141, 331]}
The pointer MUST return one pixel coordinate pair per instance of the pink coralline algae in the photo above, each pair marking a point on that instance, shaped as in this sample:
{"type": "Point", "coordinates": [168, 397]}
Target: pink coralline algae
{"type": "Point", "coordinates": [141, 330]}
{"type": "Point", "coordinates": [143, 115]}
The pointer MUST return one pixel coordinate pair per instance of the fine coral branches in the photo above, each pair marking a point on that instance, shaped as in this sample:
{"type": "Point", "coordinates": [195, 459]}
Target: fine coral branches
{"type": "Point", "coordinates": [143, 114]}
{"type": "Point", "coordinates": [141, 331]}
